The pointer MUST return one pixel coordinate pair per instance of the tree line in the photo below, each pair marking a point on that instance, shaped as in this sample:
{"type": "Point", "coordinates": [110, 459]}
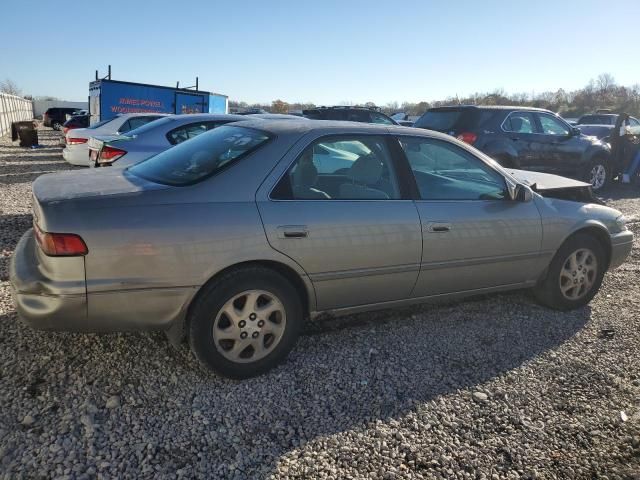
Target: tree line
{"type": "Point", "coordinates": [600, 93]}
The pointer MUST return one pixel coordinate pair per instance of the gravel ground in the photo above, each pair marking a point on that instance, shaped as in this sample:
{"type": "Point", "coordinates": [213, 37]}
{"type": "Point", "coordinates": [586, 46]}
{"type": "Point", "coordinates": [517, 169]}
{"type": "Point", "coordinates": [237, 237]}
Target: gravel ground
{"type": "Point", "coordinates": [493, 387]}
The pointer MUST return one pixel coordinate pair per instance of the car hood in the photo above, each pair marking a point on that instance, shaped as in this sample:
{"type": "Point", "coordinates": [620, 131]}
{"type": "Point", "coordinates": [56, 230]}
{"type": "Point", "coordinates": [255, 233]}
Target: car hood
{"type": "Point", "coordinates": [60, 187]}
{"type": "Point", "coordinates": [555, 186]}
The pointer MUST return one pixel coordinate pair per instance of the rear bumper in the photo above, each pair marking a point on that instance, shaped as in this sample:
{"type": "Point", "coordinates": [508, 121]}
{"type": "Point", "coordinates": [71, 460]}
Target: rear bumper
{"type": "Point", "coordinates": [76, 155]}
{"type": "Point", "coordinates": [621, 245]}
{"type": "Point", "coordinates": [35, 303]}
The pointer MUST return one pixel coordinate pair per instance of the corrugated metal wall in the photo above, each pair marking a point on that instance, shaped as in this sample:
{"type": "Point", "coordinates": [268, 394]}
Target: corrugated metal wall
{"type": "Point", "coordinates": [13, 109]}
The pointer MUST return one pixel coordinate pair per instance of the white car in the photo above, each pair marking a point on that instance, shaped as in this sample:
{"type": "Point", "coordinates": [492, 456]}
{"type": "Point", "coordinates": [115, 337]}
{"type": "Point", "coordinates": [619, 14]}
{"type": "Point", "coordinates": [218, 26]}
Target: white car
{"type": "Point", "coordinates": [76, 151]}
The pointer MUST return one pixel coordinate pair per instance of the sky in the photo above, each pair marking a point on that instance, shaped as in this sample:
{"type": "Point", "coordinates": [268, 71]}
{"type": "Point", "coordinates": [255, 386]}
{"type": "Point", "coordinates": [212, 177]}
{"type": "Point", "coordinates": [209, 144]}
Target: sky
{"type": "Point", "coordinates": [326, 52]}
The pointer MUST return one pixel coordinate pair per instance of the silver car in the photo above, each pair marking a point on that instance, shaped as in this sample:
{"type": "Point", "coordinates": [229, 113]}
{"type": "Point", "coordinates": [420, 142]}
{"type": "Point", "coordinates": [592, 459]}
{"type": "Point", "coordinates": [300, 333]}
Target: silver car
{"type": "Point", "coordinates": [141, 143]}
{"type": "Point", "coordinates": [234, 238]}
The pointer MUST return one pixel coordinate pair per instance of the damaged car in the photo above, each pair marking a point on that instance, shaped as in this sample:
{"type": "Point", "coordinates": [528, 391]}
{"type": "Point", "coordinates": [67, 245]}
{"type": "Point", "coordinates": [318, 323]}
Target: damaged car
{"type": "Point", "coordinates": [234, 239]}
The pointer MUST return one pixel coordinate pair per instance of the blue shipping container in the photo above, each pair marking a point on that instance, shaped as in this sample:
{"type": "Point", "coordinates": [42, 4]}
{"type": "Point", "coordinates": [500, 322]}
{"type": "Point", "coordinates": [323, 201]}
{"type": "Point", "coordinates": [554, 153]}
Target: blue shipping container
{"type": "Point", "coordinates": [108, 98]}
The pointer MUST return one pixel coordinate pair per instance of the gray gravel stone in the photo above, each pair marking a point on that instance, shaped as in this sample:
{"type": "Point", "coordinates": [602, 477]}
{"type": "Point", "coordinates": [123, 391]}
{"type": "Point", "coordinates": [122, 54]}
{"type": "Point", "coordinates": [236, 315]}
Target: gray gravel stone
{"type": "Point", "coordinates": [378, 395]}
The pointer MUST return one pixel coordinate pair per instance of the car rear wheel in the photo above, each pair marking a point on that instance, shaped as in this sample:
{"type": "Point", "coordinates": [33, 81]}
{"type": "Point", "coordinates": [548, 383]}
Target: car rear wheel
{"type": "Point", "coordinates": [245, 322]}
{"type": "Point", "coordinates": [56, 126]}
{"type": "Point", "coordinates": [574, 275]}
{"type": "Point", "coordinates": [599, 174]}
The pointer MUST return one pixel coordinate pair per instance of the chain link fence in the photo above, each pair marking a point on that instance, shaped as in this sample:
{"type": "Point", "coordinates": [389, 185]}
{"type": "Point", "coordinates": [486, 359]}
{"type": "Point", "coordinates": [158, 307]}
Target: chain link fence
{"type": "Point", "coordinates": [13, 109]}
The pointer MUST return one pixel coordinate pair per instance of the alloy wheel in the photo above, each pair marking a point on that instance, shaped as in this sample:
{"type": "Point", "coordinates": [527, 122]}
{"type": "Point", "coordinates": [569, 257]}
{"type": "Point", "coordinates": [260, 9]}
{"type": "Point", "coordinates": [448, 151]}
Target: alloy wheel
{"type": "Point", "coordinates": [249, 326]}
{"type": "Point", "coordinates": [598, 176]}
{"type": "Point", "coordinates": [578, 274]}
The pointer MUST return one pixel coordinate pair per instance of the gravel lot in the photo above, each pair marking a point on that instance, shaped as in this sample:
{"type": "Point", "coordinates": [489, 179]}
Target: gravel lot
{"type": "Point", "coordinates": [494, 387]}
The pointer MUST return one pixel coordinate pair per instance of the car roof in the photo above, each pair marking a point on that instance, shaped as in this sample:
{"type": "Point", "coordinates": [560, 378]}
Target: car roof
{"type": "Point", "coordinates": [206, 116]}
{"type": "Point", "coordinates": [491, 107]}
{"type": "Point", "coordinates": [284, 127]}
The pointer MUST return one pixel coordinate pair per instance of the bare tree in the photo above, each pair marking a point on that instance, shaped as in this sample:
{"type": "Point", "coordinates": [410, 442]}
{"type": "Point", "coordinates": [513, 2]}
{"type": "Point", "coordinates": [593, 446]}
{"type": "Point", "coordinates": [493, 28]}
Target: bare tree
{"type": "Point", "coordinates": [10, 87]}
{"type": "Point", "coordinates": [605, 82]}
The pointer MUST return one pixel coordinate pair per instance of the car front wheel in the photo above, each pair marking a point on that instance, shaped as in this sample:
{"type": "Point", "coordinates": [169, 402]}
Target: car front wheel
{"type": "Point", "coordinates": [245, 322]}
{"type": "Point", "coordinates": [598, 174]}
{"type": "Point", "coordinates": [574, 275]}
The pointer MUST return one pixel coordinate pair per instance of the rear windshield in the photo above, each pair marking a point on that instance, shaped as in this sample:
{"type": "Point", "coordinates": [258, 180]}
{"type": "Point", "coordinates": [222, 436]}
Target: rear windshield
{"type": "Point", "coordinates": [99, 124]}
{"type": "Point", "coordinates": [440, 120]}
{"type": "Point", "coordinates": [201, 157]}
{"type": "Point", "coordinates": [150, 126]}
{"type": "Point", "coordinates": [597, 120]}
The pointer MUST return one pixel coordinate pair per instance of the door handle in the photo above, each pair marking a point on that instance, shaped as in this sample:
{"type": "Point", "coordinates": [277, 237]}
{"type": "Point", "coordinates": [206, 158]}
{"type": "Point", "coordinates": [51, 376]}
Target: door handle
{"type": "Point", "coordinates": [439, 227]}
{"type": "Point", "coordinates": [293, 231]}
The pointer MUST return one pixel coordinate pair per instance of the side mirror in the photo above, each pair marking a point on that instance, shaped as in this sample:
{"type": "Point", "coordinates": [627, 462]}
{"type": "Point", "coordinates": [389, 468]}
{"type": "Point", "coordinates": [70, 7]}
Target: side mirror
{"type": "Point", "coordinates": [522, 193]}
{"type": "Point", "coordinates": [575, 132]}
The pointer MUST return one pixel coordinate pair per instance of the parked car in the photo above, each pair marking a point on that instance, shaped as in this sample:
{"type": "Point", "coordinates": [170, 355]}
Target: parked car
{"type": "Point", "coordinates": [76, 151]}
{"type": "Point", "coordinates": [235, 237]}
{"type": "Point", "coordinates": [526, 138]}
{"type": "Point", "coordinates": [604, 119]}
{"type": "Point", "coordinates": [77, 121]}
{"type": "Point", "coordinates": [351, 114]}
{"type": "Point", "coordinates": [154, 137]}
{"type": "Point", "coordinates": [56, 116]}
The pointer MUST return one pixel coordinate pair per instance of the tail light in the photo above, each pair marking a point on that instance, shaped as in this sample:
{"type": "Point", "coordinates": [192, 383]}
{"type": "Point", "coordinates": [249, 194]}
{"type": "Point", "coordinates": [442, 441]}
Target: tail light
{"type": "Point", "coordinates": [110, 154]}
{"type": "Point", "coordinates": [467, 137]}
{"type": "Point", "coordinates": [65, 130]}
{"type": "Point", "coordinates": [76, 141]}
{"type": "Point", "coordinates": [60, 244]}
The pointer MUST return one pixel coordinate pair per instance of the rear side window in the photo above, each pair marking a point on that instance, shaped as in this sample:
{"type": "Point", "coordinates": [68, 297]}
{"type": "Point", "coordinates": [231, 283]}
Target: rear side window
{"type": "Point", "coordinates": [341, 168]}
{"type": "Point", "coordinates": [439, 120]}
{"type": "Point", "coordinates": [204, 156]}
{"type": "Point", "coordinates": [519, 122]}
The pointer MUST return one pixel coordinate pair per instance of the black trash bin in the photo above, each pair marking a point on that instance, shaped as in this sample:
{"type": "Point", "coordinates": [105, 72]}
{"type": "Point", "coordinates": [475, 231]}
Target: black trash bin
{"type": "Point", "coordinates": [26, 132]}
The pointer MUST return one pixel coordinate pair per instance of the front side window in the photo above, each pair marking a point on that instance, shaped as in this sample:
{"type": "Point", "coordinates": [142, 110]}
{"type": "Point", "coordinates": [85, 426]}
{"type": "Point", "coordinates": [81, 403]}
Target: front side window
{"type": "Point", "coordinates": [552, 126]}
{"type": "Point", "coordinates": [379, 118]}
{"type": "Point", "coordinates": [202, 157]}
{"type": "Point", "coordinates": [519, 122]}
{"type": "Point", "coordinates": [444, 171]}
{"type": "Point", "coordinates": [341, 168]}
{"type": "Point", "coordinates": [192, 130]}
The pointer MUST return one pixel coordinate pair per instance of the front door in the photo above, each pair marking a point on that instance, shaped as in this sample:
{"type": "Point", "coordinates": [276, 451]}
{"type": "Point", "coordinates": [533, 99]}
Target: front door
{"type": "Point", "coordinates": [474, 236]}
{"type": "Point", "coordinates": [189, 103]}
{"type": "Point", "coordinates": [561, 151]}
{"type": "Point", "coordinates": [341, 213]}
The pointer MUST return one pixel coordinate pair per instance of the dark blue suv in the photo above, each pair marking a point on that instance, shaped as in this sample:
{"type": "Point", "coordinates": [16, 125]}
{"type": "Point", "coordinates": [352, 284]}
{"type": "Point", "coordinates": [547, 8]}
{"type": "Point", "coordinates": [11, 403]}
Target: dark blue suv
{"type": "Point", "coordinates": [526, 138]}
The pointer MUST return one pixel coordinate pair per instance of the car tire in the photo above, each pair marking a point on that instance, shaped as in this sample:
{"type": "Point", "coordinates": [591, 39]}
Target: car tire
{"type": "Point", "coordinates": [56, 126]}
{"type": "Point", "coordinates": [245, 322]}
{"type": "Point", "coordinates": [598, 174]}
{"type": "Point", "coordinates": [574, 275]}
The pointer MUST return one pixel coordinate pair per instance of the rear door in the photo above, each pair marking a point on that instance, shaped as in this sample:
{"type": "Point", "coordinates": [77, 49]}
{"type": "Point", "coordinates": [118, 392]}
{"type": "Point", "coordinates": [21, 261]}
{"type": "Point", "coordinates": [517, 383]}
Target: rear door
{"type": "Point", "coordinates": [521, 133]}
{"type": "Point", "coordinates": [474, 236]}
{"type": "Point", "coordinates": [342, 212]}
{"type": "Point", "coordinates": [561, 150]}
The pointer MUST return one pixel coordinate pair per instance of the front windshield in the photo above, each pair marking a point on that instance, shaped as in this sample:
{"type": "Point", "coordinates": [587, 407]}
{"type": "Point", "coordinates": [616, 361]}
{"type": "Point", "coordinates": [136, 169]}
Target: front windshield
{"type": "Point", "coordinates": [201, 157]}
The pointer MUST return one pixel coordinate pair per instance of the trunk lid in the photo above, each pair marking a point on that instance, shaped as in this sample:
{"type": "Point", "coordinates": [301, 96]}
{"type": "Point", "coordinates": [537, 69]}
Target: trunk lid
{"type": "Point", "coordinates": [61, 187]}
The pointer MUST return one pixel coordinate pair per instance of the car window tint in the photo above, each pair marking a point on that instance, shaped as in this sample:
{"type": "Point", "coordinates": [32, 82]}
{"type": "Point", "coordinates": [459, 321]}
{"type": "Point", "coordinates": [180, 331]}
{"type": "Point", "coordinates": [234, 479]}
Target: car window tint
{"type": "Point", "coordinates": [358, 116]}
{"type": "Point", "coordinates": [519, 122]}
{"type": "Point", "coordinates": [552, 126]}
{"type": "Point", "coordinates": [185, 132]}
{"type": "Point", "coordinates": [343, 168]}
{"type": "Point", "coordinates": [634, 122]}
{"type": "Point", "coordinates": [444, 171]}
{"type": "Point", "coordinates": [379, 118]}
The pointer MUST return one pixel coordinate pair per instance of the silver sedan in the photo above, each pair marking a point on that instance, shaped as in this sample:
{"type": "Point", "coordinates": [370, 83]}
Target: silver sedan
{"type": "Point", "coordinates": [236, 237]}
{"type": "Point", "coordinates": [152, 138]}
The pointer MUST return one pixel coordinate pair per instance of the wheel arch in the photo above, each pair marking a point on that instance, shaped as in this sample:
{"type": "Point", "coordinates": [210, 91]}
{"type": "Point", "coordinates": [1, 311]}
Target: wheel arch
{"type": "Point", "coordinates": [597, 231]}
{"type": "Point", "coordinates": [178, 329]}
